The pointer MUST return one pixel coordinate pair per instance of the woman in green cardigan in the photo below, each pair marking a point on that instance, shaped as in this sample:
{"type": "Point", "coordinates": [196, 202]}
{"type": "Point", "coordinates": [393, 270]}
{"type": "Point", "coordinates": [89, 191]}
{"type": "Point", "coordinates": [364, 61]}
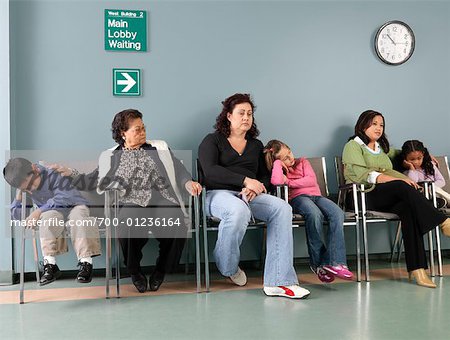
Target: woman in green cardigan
{"type": "Point", "coordinates": [366, 159]}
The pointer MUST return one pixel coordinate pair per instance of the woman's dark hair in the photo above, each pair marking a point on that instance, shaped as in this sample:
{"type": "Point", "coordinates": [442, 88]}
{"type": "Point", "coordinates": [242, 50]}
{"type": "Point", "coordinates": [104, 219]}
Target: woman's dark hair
{"type": "Point", "coordinates": [364, 122]}
{"type": "Point", "coordinates": [121, 123]}
{"type": "Point", "coordinates": [416, 145]}
{"type": "Point", "coordinates": [223, 124]}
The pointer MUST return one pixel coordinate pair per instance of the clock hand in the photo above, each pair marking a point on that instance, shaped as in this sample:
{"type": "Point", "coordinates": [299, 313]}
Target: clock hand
{"type": "Point", "coordinates": [391, 39]}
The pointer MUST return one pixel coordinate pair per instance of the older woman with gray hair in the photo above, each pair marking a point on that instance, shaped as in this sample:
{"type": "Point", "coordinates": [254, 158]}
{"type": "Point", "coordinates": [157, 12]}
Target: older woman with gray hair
{"type": "Point", "coordinates": [151, 183]}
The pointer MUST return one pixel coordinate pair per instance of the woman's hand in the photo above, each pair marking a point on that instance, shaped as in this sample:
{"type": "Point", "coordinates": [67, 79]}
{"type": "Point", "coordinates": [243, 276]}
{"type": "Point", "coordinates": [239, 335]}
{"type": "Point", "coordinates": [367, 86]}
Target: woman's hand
{"type": "Point", "coordinates": [411, 183]}
{"type": "Point", "coordinates": [63, 170]}
{"type": "Point", "coordinates": [250, 194]}
{"type": "Point", "coordinates": [194, 188]}
{"type": "Point", "coordinates": [254, 185]}
{"type": "Point", "coordinates": [385, 178]}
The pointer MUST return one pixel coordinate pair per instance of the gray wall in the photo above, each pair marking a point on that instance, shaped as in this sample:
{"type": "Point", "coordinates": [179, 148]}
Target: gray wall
{"type": "Point", "coordinates": [309, 65]}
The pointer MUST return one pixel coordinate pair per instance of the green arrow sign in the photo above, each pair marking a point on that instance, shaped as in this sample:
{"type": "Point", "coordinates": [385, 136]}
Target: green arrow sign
{"type": "Point", "coordinates": [126, 82]}
{"type": "Point", "coordinates": [125, 30]}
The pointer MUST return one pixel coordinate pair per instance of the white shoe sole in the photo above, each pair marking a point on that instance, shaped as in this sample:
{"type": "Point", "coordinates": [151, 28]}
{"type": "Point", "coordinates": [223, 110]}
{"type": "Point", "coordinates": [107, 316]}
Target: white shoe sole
{"type": "Point", "coordinates": [287, 296]}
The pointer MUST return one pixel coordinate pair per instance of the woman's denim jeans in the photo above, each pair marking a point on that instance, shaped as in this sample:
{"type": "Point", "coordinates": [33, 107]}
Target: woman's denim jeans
{"type": "Point", "coordinates": [315, 209]}
{"type": "Point", "coordinates": [235, 215]}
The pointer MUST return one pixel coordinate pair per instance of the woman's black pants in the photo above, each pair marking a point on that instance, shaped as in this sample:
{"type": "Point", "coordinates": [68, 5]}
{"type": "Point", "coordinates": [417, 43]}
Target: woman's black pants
{"type": "Point", "coordinates": [417, 214]}
{"type": "Point", "coordinates": [133, 239]}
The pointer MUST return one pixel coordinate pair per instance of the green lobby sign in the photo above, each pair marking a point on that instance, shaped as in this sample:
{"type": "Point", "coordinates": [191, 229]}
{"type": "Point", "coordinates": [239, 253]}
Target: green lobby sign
{"type": "Point", "coordinates": [125, 30]}
{"type": "Point", "coordinates": [126, 82]}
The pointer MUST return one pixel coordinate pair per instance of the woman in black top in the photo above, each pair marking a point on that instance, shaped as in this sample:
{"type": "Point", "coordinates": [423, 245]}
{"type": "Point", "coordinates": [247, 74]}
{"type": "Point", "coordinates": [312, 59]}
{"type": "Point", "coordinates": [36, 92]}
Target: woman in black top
{"type": "Point", "coordinates": [236, 179]}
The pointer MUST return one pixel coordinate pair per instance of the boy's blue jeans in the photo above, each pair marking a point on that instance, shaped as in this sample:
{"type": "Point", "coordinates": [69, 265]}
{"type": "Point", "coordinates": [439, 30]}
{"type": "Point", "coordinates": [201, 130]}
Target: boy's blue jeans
{"type": "Point", "coordinates": [323, 249]}
{"type": "Point", "coordinates": [235, 216]}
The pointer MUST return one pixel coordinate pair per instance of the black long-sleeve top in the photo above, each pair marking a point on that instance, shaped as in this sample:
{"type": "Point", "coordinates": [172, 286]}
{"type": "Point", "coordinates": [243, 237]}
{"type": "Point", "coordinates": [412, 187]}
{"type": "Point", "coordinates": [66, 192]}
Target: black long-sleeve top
{"type": "Point", "coordinates": [222, 166]}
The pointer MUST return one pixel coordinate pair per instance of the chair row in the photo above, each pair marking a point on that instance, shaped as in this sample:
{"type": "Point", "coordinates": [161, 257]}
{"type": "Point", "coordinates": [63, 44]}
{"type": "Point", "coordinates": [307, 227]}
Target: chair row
{"type": "Point", "coordinates": [356, 216]}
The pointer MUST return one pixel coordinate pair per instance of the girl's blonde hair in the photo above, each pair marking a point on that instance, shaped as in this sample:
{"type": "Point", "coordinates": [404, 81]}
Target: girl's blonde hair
{"type": "Point", "coordinates": [271, 150]}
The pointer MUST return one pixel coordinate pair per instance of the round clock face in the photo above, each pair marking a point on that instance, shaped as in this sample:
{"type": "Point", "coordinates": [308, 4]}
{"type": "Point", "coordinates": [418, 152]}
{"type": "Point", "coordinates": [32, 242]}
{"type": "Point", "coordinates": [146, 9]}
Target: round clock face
{"type": "Point", "coordinates": [394, 42]}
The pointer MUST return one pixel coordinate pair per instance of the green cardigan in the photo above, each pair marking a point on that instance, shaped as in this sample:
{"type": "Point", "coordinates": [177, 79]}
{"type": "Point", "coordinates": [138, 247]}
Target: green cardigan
{"type": "Point", "coordinates": [359, 162]}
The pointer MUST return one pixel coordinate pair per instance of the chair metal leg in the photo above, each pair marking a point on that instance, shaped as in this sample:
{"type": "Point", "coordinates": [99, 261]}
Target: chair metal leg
{"type": "Point", "coordinates": [437, 235]}
{"type": "Point", "coordinates": [116, 242]}
{"type": "Point", "coordinates": [364, 223]}
{"type": "Point", "coordinates": [400, 249]}
{"type": "Point", "coordinates": [430, 236]}
{"type": "Point", "coordinates": [22, 264]}
{"type": "Point", "coordinates": [358, 252]}
{"type": "Point", "coordinates": [197, 243]}
{"type": "Point", "coordinates": [187, 246]}
{"type": "Point", "coordinates": [22, 249]}
{"type": "Point", "coordinates": [430, 247]}
{"type": "Point", "coordinates": [396, 242]}
{"type": "Point", "coordinates": [108, 243]}
{"type": "Point", "coordinates": [187, 255]}
{"type": "Point", "coordinates": [36, 258]}
{"type": "Point", "coordinates": [438, 249]}
{"type": "Point", "coordinates": [358, 236]}
{"type": "Point", "coordinates": [205, 243]}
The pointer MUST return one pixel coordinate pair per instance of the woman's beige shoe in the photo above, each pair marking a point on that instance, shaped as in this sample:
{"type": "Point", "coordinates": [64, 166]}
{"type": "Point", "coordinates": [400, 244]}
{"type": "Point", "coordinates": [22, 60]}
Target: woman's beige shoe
{"type": "Point", "coordinates": [421, 277]}
{"type": "Point", "coordinates": [445, 227]}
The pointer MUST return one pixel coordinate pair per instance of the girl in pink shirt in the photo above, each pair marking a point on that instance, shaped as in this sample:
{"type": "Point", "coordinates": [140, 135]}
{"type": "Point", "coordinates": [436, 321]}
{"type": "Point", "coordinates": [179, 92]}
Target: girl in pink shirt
{"type": "Point", "coordinates": [327, 252]}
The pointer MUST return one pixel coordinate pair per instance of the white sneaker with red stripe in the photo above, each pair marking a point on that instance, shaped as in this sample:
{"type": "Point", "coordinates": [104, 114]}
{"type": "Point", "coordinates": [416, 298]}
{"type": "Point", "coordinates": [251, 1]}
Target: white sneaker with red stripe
{"type": "Point", "coordinates": [291, 292]}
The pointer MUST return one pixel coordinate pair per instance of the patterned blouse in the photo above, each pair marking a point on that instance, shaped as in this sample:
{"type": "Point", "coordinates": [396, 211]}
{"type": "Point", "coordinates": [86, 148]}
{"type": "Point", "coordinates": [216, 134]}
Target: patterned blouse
{"type": "Point", "coordinates": [139, 174]}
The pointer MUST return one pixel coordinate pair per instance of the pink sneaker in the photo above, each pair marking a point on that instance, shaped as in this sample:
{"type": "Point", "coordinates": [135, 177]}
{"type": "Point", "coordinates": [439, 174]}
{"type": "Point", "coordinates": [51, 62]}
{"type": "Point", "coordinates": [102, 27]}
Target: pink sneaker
{"type": "Point", "coordinates": [340, 271]}
{"type": "Point", "coordinates": [323, 275]}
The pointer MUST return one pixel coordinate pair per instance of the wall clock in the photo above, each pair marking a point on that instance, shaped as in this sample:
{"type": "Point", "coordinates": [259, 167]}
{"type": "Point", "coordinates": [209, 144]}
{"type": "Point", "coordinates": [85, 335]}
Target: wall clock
{"type": "Point", "coordinates": [394, 42]}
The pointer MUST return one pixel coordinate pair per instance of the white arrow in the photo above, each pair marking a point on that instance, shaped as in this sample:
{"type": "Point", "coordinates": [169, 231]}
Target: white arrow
{"type": "Point", "coordinates": [129, 82]}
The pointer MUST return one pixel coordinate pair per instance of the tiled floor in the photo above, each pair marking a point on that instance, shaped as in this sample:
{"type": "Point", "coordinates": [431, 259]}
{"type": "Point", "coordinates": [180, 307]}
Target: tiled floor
{"type": "Point", "coordinates": [389, 307]}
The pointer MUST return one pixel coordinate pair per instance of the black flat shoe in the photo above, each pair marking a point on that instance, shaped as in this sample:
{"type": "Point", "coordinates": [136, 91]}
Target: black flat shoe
{"type": "Point", "coordinates": [156, 279]}
{"type": "Point", "coordinates": [140, 282]}
{"type": "Point", "coordinates": [85, 272]}
{"type": "Point", "coordinates": [51, 273]}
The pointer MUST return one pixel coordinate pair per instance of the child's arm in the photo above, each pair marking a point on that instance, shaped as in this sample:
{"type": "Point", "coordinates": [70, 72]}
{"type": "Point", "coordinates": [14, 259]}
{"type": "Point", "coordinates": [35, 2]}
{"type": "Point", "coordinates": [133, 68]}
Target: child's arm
{"type": "Point", "coordinates": [278, 177]}
{"type": "Point", "coordinates": [309, 177]}
{"type": "Point", "coordinates": [415, 175]}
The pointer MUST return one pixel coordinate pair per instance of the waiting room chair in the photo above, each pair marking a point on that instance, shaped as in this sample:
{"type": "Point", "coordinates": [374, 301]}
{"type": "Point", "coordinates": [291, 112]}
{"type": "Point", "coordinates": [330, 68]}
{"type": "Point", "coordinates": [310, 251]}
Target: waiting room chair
{"type": "Point", "coordinates": [444, 169]}
{"type": "Point", "coordinates": [372, 216]}
{"type": "Point", "coordinates": [95, 207]}
{"type": "Point", "coordinates": [351, 218]}
{"type": "Point", "coordinates": [212, 224]}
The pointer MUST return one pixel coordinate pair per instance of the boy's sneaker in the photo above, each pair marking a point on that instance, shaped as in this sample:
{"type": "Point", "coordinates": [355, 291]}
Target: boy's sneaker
{"type": "Point", "coordinates": [323, 275]}
{"type": "Point", "coordinates": [239, 278]}
{"type": "Point", "coordinates": [51, 273]}
{"type": "Point", "coordinates": [85, 272]}
{"type": "Point", "coordinates": [340, 271]}
{"type": "Point", "coordinates": [291, 292]}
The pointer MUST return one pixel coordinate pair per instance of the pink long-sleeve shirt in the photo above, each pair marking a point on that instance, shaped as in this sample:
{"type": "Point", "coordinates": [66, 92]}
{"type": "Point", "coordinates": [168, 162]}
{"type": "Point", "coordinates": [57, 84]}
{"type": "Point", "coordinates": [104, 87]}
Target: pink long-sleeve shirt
{"type": "Point", "coordinates": [300, 179]}
{"type": "Point", "coordinates": [419, 175]}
